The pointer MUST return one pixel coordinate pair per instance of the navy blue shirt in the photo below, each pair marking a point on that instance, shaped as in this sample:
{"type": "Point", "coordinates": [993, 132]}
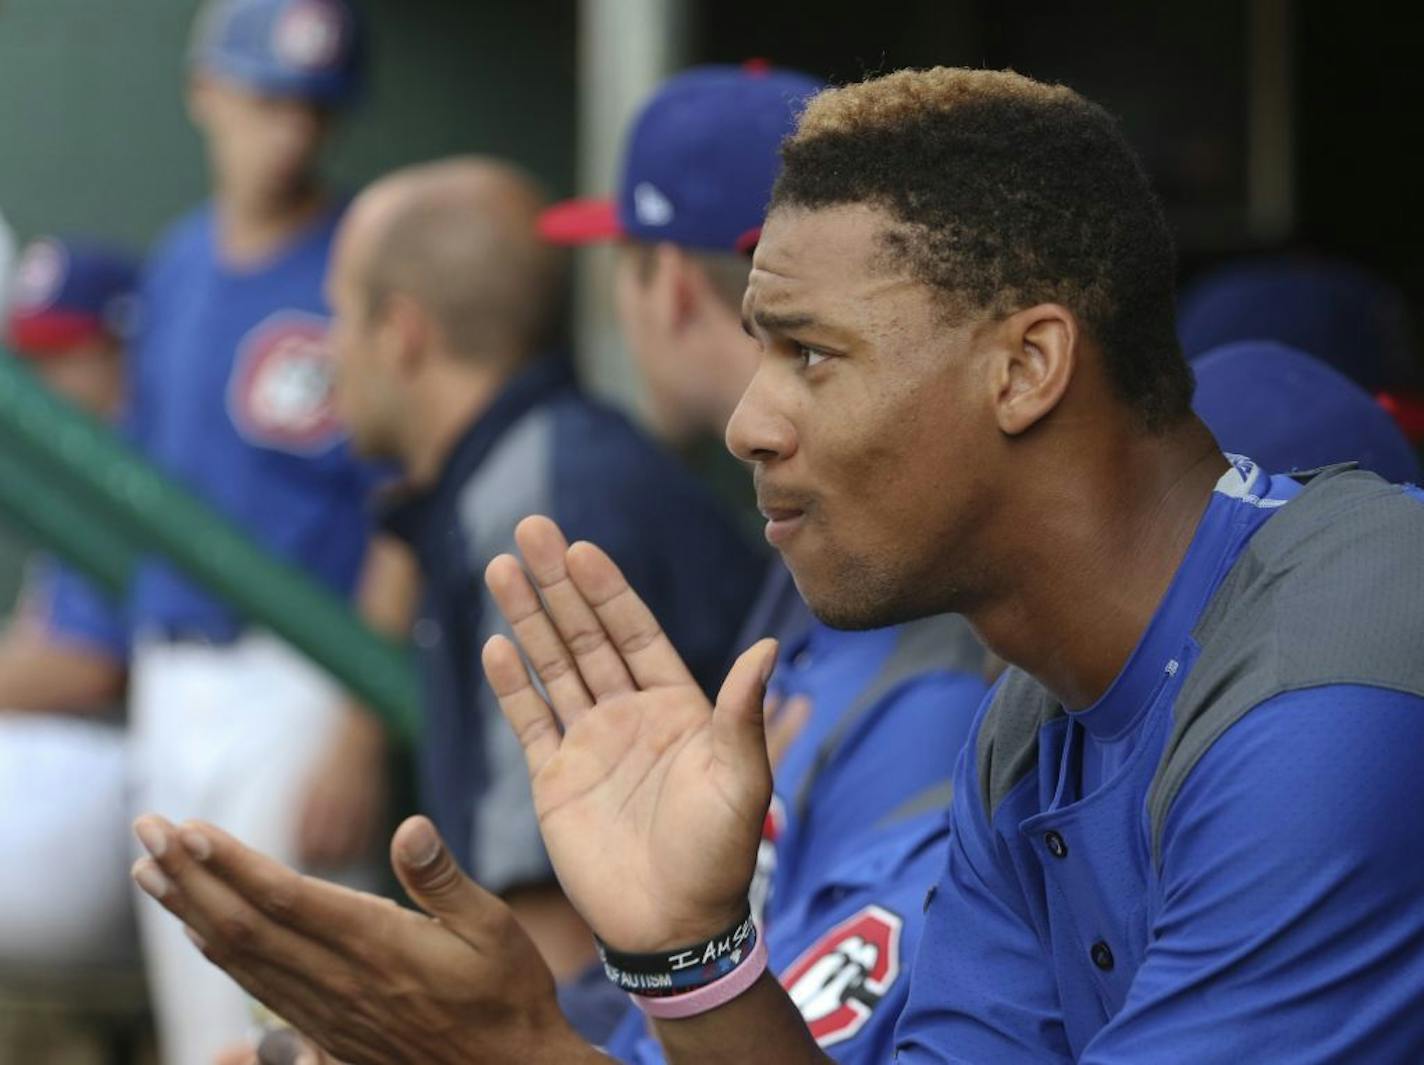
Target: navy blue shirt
{"type": "Point", "coordinates": [544, 448]}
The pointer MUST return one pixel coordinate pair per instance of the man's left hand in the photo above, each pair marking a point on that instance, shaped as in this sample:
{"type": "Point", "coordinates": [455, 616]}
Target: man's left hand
{"type": "Point", "coordinates": [370, 981]}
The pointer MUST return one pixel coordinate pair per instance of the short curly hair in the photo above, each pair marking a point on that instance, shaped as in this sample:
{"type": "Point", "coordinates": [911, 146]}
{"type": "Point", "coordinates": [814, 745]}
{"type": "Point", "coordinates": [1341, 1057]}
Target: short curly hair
{"type": "Point", "coordinates": [1009, 192]}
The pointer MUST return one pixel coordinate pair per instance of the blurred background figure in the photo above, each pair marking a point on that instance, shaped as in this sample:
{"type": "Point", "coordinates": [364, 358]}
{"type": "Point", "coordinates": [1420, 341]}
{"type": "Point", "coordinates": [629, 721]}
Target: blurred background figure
{"type": "Point", "coordinates": [71, 309]}
{"type": "Point", "coordinates": [68, 940]}
{"type": "Point", "coordinates": [1290, 411]}
{"type": "Point", "coordinates": [72, 303]}
{"type": "Point", "coordinates": [229, 394]}
{"type": "Point", "coordinates": [446, 303]}
{"type": "Point", "coordinates": [1337, 311]}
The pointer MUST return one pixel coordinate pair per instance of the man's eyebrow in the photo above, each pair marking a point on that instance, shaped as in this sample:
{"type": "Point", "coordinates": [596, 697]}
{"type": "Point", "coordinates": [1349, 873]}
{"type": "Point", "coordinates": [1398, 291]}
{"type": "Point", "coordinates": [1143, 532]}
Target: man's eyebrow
{"type": "Point", "coordinates": [773, 322]}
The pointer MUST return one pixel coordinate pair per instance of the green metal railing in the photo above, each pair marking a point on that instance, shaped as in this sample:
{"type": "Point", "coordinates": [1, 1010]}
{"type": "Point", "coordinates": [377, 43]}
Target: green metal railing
{"type": "Point", "coordinates": [74, 485]}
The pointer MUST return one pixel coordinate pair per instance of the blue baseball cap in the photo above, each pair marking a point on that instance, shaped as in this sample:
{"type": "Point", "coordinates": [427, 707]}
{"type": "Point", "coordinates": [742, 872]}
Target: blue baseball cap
{"type": "Point", "coordinates": [67, 293]}
{"type": "Point", "coordinates": [699, 164]}
{"type": "Point", "coordinates": [1335, 310]}
{"type": "Point", "coordinates": [1289, 411]}
{"type": "Point", "coordinates": [310, 50]}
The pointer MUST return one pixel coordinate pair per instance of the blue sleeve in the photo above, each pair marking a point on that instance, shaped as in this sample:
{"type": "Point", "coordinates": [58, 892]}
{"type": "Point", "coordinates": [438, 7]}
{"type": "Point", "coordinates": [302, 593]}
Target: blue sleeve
{"type": "Point", "coordinates": [905, 747]}
{"type": "Point", "coordinates": [1292, 917]}
{"type": "Point", "coordinates": [73, 610]}
{"type": "Point", "coordinates": [982, 986]}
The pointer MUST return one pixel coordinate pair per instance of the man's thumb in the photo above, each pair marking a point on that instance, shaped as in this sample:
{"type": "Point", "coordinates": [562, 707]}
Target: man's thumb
{"type": "Point", "coordinates": [738, 727]}
{"type": "Point", "coordinates": [436, 883]}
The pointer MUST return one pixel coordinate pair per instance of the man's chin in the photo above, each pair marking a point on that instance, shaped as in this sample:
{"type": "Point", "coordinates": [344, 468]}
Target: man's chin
{"type": "Point", "coordinates": [850, 605]}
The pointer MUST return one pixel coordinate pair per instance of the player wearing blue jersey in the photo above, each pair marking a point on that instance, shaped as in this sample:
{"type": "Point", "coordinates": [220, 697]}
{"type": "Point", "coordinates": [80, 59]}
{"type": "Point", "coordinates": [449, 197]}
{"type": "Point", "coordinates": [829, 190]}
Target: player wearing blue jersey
{"type": "Point", "coordinates": [1183, 825]}
{"type": "Point", "coordinates": [229, 394]}
{"type": "Point", "coordinates": [68, 319]}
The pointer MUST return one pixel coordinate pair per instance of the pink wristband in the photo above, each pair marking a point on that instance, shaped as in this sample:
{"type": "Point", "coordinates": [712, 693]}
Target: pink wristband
{"type": "Point", "coordinates": [706, 999]}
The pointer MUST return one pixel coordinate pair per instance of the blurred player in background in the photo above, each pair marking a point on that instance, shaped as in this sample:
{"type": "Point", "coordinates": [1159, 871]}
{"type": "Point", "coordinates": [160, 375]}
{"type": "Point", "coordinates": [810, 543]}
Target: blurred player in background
{"type": "Point", "coordinates": [1337, 311]}
{"type": "Point", "coordinates": [1317, 416]}
{"type": "Point", "coordinates": [72, 305]}
{"type": "Point", "coordinates": [228, 392]}
{"type": "Point", "coordinates": [854, 836]}
{"type": "Point", "coordinates": [446, 302]}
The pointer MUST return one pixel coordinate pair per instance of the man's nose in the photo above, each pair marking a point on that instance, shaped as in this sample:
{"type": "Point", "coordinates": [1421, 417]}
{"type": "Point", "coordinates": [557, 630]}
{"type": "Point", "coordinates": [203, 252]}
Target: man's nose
{"type": "Point", "coordinates": [760, 430]}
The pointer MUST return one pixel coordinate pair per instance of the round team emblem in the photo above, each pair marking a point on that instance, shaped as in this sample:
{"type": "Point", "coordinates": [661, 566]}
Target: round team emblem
{"type": "Point", "coordinates": [39, 275]}
{"type": "Point", "coordinates": [841, 978]}
{"type": "Point", "coordinates": [279, 395]}
{"type": "Point", "coordinates": [308, 35]}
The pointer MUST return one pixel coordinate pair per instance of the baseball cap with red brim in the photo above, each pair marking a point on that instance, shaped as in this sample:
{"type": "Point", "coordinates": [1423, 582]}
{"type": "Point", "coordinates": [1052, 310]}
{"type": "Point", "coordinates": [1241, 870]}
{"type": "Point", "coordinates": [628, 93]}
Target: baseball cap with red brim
{"type": "Point", "coordinates": [699, 164]}
{"type": "Point", "coordinates": [66, 293]}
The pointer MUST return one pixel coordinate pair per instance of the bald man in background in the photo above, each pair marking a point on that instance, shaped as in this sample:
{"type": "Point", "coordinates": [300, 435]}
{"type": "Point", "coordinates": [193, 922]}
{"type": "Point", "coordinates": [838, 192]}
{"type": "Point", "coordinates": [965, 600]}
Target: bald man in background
{"type": "Point", "coordinates": [445, 300]}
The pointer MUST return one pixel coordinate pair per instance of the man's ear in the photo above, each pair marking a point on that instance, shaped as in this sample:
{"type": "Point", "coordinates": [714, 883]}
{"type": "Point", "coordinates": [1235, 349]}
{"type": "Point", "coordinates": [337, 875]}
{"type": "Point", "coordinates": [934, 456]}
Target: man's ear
{"type": "Point", "coordinates": [1039, 356]}
{"type": "Point", "coordinates": [678, 283]}
{"type": "Point", "coordinates": [405, 329]}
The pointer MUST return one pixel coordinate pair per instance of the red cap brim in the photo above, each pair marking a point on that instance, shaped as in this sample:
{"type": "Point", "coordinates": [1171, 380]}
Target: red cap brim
{"type": "Point", "coordinates": [1407, 409]}
{"type": "Point", "coordinates": [51, 333]}
{"type": "Point", "coordinates": [580, 222]}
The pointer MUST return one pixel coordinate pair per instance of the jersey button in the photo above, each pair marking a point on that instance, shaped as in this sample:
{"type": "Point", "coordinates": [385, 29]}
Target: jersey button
{"type": "Point", "coordinates": [1054, 842]}
{"type": "Point", "coordinates": [1102, 956]}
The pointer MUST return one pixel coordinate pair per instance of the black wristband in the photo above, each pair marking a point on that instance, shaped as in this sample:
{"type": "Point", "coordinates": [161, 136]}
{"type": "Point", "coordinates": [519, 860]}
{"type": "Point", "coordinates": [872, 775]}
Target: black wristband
{"type": "Point", "coordinates": [684, 969]}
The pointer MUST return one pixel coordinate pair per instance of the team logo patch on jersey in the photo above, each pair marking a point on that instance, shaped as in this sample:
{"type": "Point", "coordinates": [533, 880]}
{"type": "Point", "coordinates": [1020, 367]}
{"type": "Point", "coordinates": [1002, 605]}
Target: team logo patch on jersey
{"type": "Point", "coordinates": [308, 35]}
{"type": "Point", "coordinates": [843, 976]}
{"type": "Point", "coordinates": [279, 395]}
{"type": "Point", "coordinates": [39, 275]}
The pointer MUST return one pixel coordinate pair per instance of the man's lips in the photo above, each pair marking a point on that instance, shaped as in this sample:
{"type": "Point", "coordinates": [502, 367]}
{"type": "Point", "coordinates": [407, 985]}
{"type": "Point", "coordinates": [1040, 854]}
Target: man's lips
{"type": "Point", "coordinates": [783, 520]}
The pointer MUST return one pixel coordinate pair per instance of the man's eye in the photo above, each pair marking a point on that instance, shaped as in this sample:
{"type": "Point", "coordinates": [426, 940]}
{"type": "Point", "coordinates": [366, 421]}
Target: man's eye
{"type": "Point", "coordinates": [810, 356]}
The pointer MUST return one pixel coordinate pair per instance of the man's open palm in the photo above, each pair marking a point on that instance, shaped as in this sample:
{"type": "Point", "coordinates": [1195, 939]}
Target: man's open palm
{"type": "Point", "coordinates": [650, 800]}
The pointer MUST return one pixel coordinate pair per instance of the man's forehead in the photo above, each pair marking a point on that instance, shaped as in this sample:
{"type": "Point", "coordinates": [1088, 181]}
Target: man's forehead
{"type": "Point", "coordinates": [809, 256]}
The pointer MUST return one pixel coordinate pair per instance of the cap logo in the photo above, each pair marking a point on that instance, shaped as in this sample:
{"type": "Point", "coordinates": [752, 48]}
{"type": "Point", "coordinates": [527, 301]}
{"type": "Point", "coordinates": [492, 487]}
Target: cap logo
{"type": "Point", "coordinates": [39, 275]}
{"type": "Point", "coordinates": [308, 35]}
{"type": "Point", "coordinates": [650, 206]}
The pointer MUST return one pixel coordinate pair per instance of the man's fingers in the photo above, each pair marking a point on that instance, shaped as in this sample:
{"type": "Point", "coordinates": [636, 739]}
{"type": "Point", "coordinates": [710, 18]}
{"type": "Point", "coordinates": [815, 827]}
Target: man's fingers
{"type": "Point", "coordinates": [738, 726]}
{"type": "Point", "coordinates": [239, 900]}
{"type": "Point", "coordinates": [544, 549]}
{"type": "Point", "coordinates": [635, 632]}
{"type": "Point", "coordinates": [437, 885]}
{"type": "Point", "coordinates": [551, 658]}
{"type": "Point", "coordinates": [524, 708]}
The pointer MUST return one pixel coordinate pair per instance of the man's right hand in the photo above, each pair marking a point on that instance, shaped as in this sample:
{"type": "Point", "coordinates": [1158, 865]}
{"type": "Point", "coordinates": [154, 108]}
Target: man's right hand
{"type": "Point", "coordinates": [650, 799]}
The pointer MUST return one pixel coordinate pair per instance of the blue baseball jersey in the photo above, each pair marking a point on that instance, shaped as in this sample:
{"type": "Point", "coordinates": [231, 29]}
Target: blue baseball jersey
{"type": "Point", "coordinates": [854, 839]}
{"type": "Point", "coordinates": [543, 447]}
{"type": "Point", "coordinates": [229, 393]}
{"type": "Point", "coordinates": [73, 609]}
{"type": "Point", "coordinates": [1107, 899]}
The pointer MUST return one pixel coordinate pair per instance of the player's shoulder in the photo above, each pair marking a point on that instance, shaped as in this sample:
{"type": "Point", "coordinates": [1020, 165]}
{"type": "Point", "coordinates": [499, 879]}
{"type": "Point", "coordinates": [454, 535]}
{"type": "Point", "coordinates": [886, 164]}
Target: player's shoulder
{"type": "Point", "coordinates": [186, 237]}
{"type": "Point", "coordinates": [1328, 593]}
{"type": "Point", "coordinates": [603, 455]}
